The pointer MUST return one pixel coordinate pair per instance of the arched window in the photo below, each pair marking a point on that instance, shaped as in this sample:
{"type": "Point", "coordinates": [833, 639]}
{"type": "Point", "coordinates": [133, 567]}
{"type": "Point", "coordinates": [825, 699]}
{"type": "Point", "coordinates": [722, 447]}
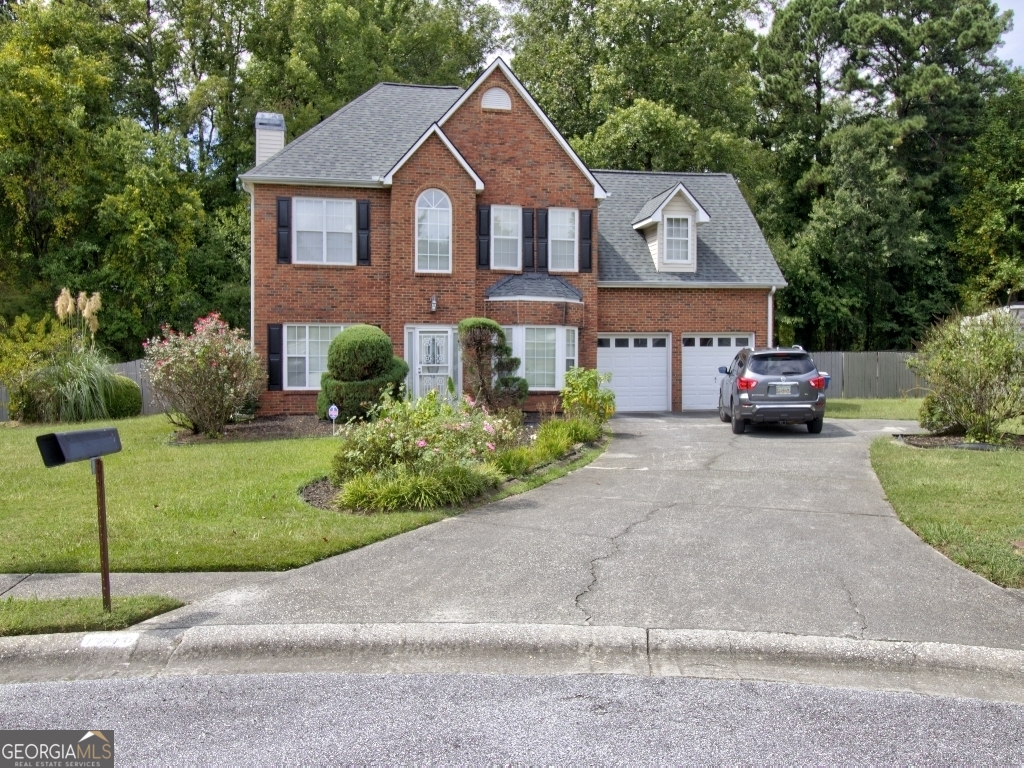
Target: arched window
{"type": "Point", "coordinates": [433, 232]}
{"type": "Point", "coordinates": [496, 99]}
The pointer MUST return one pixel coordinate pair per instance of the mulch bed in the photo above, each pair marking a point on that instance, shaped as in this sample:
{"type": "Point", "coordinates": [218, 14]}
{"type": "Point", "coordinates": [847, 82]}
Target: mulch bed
{"type": "Point", "coordinates": [955, 441]}
{"type": "Point", "coordinates": [264, 428]}
{"type": "Point", "coordinates": [320, 494]}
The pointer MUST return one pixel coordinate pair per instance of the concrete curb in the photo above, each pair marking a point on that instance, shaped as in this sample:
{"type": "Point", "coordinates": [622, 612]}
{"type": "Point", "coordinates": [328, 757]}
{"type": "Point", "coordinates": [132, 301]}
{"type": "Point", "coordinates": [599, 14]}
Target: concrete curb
{"type": "Point", "coordinates": [531, 649]}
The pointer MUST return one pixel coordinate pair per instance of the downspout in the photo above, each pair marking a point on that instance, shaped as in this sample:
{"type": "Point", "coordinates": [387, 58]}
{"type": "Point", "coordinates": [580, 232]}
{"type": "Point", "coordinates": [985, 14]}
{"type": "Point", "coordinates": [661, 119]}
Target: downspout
{"type": "Point", "coordinates": [771, 317]}
{"type": "Point", "coordinates": [252, 264]}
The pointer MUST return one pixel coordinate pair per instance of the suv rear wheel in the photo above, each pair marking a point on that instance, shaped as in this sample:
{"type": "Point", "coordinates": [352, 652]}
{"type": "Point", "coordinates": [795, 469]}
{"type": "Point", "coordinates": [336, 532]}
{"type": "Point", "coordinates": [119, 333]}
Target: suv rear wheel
{"type": "Point", "coordinates": [739, 426]}
{"type": "Point", "coordinates": [814, 425]}
{"type": "Point", "coordinates": [721, 411]}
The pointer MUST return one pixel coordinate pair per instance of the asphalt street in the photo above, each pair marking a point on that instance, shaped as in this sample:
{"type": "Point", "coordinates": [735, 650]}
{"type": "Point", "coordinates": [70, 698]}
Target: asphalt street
{"type": "Point", "coordinates": [468, 719]}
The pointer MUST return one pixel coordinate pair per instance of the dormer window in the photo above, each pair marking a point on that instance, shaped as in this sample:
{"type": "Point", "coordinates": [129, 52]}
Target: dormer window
{"type": "Point", "coordinates": [677, 239]}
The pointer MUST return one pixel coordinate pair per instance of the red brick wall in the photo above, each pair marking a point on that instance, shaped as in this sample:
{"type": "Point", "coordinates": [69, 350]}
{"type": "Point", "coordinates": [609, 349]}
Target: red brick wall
{"type": "Point", "coordinates": [433, 166]}
{"type": "Point", "coordinates": [536, 313]}
{"type": "Point", "coordinates": [313, 293]}
{"type": "Point", "coordinates": [681, 311]}
{"type": "Point", "coordinates": [521, 163]}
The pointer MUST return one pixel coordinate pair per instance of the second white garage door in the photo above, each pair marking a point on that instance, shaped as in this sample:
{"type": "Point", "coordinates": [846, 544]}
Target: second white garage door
{"type": "Point", "coordinates": [639, 366]}
{"type": "Point", "coordinates": [702, 356]}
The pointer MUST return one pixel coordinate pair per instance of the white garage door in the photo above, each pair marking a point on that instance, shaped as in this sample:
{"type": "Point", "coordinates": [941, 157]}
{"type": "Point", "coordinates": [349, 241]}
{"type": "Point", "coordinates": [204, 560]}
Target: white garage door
{"type": "Point", "coordinates": [702, 355]}
{"type": "Point", "coordinates": [639, 366]}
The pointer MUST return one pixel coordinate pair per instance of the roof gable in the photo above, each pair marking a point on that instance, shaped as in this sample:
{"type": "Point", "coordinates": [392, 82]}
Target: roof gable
{"type": "Point", "coordinates": [434, 130]}
{"type": "Point", "coordinates": [500, 65]}
{"type": "Point", "coordinates": [651, 211]}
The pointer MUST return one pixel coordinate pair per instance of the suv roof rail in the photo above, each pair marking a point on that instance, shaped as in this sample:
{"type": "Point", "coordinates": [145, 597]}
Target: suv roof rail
{"type": "Point", "coordinates": [797, 346]}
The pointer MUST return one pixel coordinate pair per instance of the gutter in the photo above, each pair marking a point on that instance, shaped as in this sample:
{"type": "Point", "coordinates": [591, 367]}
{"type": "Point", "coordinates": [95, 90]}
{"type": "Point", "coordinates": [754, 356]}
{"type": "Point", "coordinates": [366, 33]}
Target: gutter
{"type": "Point", "coordinates": [688, 284]}
{"type": "Point", "coordinates": [252, 263]}
{"type": "Point", "coordinates": [375, 183]}
{"type": "Point", "coordinates": [771, 318]}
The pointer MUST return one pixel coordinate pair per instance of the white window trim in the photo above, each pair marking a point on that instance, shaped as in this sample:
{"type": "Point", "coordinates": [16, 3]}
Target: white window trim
{"type": "Point", "coordinates": [285, 355]}
{"type": "Point", "coordinates": [576, 244]}
{"type": "Point", "coordinates": [324, 263]}
{"type": "Point", "coordinates": [518, 344]}
{"type": "Point", "coordinates": [519, 241]}
{"type": "Point", "coordinates": [663, 245]}
{"type": "Point", "coordinates": [416, 235]}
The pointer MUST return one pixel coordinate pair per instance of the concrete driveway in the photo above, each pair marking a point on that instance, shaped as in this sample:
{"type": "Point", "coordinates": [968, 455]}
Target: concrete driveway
{"type": "Point", "coordinates": [680, 524]}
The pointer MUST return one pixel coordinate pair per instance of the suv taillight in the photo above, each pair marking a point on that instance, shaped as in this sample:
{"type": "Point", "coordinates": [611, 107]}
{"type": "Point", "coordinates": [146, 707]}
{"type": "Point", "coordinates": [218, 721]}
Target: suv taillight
{"type": "Point", "coordinates": [818, 382]}
{"type": "Point", "coordinates": [746, 383]}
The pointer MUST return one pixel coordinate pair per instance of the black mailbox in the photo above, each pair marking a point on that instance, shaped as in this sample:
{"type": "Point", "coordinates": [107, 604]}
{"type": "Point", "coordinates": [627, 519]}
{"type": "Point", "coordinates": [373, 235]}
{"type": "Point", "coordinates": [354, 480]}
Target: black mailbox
{"type": "Point", "coordinates": [64, 447]}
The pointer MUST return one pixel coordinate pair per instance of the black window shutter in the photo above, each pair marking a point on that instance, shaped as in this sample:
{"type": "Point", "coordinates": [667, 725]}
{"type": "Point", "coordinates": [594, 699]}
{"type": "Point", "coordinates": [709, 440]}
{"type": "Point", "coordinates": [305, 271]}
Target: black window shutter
{"type": "Point", "coordinates": [586, 238]}
{"type": "Point", "coordinates": [363, 232]}
{"type": "Point", "coordinates": [542, 239]}
{"type": "Point", "coordinates": [527, 238]}
{"type": "Point", "coordinates": [284, 230]}
{"type": "Point", "coordinates": [483, 237]}
{"type": "Point", "coordinates": [275, 364]}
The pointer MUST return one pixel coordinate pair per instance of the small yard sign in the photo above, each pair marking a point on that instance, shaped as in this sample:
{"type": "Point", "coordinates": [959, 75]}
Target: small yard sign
{"type": "Point", "coordinates": [332, 413]}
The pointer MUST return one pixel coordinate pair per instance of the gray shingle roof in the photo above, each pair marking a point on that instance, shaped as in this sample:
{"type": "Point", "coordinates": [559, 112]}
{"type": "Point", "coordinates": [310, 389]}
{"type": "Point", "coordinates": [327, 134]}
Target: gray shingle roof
{"type": "Point", "coordinates": [363, 139]}
{"type": "Point", "coordinates": [652, 205]}
{"type": "Point", "coordinates": [730, 248]}
{"type": "Point", "coordinates": [534, 285]}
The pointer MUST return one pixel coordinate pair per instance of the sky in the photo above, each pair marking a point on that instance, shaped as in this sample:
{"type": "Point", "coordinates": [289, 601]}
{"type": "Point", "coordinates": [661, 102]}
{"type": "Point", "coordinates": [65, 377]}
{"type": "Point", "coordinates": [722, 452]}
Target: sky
{"type": "Point", "coordinates": [1013, 41]}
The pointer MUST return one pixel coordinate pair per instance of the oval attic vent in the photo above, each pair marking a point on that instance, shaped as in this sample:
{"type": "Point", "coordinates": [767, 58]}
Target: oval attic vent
{"type": "Point", "coordinates": [496, 98]}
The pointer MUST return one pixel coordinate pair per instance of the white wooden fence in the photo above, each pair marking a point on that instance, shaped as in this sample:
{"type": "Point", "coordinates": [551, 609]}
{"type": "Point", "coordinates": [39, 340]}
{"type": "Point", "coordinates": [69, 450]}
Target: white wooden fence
{"type": "Point", "coordinates": [132, 369]}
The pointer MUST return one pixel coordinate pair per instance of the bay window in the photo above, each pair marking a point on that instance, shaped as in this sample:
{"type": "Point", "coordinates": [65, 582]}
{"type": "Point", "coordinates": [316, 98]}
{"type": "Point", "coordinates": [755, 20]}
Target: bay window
{"type": "Point", "coordinates": [545, 353]}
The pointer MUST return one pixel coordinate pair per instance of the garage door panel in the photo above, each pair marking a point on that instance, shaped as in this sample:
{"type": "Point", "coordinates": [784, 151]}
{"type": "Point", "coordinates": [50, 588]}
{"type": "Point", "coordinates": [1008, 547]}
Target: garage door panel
{"type": "Point", "coordinates": [639, 375]}
{"type": "Point", "coordinates": [701, 379]}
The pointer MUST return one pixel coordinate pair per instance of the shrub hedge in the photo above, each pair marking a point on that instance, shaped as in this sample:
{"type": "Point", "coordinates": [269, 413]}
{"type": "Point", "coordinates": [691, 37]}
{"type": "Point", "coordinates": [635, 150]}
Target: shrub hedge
{"type": "Point", "coordinates": [124, 398]}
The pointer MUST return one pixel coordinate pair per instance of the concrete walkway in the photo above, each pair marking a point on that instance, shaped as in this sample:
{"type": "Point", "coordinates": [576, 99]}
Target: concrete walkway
{"type": "Point", "coordinates": [680, 524]}
{"type": "Point", "coordinates": [187, 587]}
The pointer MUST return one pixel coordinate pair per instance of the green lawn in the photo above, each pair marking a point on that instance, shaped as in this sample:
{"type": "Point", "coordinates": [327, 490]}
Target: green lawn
{"type": "Point", "coordinates": [881, 408]}
{"type": "Point", "coordinates": [966, 504]}
{"type": "Point", "coordinates": [78, 614]}
{"type": "Point", "coordinates": [209, 507]}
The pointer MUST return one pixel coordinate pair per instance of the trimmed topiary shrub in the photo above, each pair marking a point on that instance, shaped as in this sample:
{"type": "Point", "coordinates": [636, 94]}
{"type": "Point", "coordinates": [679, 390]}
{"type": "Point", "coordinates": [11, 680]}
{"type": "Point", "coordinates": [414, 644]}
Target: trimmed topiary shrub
{"type": "Point", "coordinates": [124, 399]}
{"type": "Point", "coordinates": [360, 353]}
{"type": "Point", "coordinates": [489, 365]}
{"type": "Point", "coordinates": [361, 366]}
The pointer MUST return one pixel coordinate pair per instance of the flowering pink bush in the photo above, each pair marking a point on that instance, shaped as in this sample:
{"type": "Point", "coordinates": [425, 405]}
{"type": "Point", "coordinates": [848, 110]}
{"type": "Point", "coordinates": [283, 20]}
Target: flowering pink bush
{"type": "Point", "coordinates": [204, 377]}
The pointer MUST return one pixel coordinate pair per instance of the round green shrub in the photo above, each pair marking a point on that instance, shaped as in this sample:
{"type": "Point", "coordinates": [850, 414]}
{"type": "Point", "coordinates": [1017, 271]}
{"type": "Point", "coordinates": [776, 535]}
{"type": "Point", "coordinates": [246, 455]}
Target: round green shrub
{"type": "Point", "coordinates": [124, 398]}
{"type": "Point", "coordinates": [359, 353]}
{"type": "Point", "coordinates": [354, 398]}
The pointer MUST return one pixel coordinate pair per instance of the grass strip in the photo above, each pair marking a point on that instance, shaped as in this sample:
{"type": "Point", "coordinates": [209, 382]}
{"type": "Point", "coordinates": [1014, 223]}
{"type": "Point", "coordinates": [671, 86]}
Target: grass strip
{"type": "Point", "coordinates": [32, 616]}
{"type": "Point", "coordinates": [966, 504]}
{"type": "Point", "coordinates": [879, 408]}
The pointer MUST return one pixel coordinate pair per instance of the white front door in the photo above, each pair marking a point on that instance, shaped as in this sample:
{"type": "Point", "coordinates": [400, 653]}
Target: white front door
{"type": "Point", "coordinates": [702, 356]}
{"type": "Point", "coordinates": [432, 364]}
{"type": "Point", "coordinates": [639, 365]}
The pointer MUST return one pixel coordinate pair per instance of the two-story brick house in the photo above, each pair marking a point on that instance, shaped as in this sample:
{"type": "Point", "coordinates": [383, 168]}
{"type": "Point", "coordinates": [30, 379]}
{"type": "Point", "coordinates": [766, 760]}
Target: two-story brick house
{"type": "Point", "coordinates": [414, 207]}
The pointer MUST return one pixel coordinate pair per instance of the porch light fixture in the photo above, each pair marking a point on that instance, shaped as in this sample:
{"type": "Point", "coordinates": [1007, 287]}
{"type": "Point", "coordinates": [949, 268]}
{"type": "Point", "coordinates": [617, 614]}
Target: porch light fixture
{"type": "Point", "coordinates": [433, 303]}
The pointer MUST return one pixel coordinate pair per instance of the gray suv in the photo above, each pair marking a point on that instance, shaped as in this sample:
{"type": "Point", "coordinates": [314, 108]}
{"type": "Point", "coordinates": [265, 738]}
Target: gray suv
{"type": "Point", "coordinates": [772, 386]}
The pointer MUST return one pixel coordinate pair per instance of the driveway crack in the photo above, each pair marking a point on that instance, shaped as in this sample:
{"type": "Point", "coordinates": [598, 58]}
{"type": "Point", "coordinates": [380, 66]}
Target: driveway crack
{"type": "Point", "coordinates": [615, 549]}
{"type": "Point", "coordinates": [856, 609]}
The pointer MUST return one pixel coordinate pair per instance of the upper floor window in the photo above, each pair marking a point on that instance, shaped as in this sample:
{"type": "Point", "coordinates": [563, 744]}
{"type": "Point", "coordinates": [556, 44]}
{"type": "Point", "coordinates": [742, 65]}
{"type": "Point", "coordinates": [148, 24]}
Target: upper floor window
{"type": "Point", "coordinates": [433, 232]}
{"type": "Point", "coordinates": [325, 231]}
{"type": "Point", "coordinates": [562, 236]}
{"type": "Point", "coordinates": [677, 239]}
{"type": "Point", "coordinates": [505, 237]}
